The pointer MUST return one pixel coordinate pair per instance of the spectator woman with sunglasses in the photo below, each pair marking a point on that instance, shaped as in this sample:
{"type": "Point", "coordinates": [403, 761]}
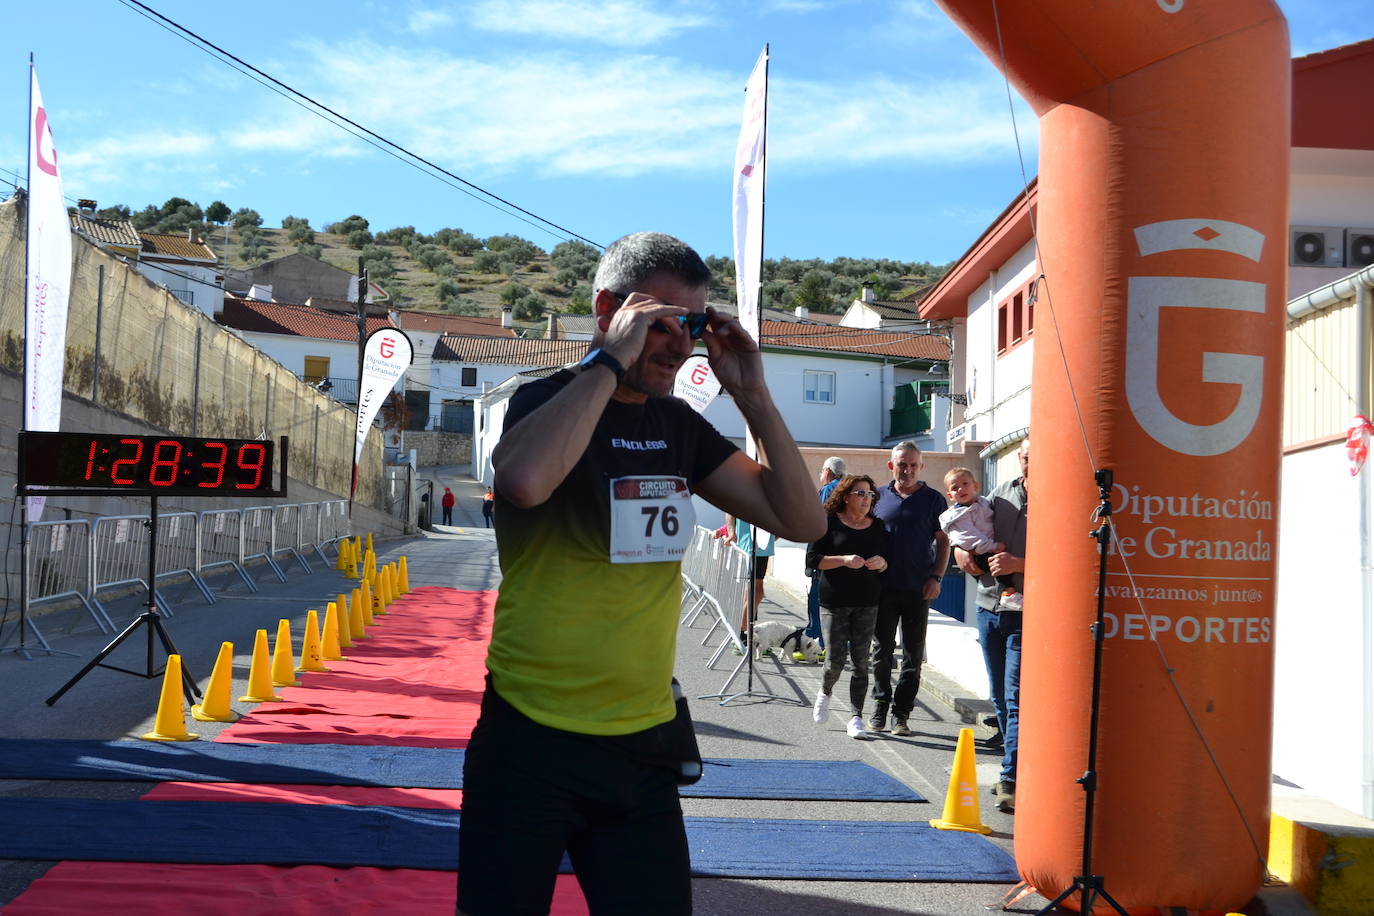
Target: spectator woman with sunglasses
{"type": "Point", "coordinates": [849, 559]}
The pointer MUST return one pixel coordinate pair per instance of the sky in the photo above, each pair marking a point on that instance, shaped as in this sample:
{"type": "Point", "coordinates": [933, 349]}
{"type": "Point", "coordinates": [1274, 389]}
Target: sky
{"type": "Point", "coordinates": [889, 134]}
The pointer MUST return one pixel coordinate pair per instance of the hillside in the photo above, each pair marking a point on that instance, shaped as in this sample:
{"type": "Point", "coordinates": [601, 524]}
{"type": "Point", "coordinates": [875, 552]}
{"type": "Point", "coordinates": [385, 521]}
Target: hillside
{"type": "Point", "coordinates": [454, 271]}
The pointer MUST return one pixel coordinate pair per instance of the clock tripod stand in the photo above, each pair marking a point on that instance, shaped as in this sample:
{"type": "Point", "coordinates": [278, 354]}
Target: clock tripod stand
{"type": "Point", "coordinates": [150, 620]}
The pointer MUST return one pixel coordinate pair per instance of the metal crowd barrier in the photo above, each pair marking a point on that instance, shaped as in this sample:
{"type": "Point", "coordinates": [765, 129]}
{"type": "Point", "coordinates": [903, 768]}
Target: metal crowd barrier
{"type": "Point", "coordinates": [333, 525]}
{"type": "Point", "coordinates": [78, 559]}
{"type": "Point", "coordinates": [257, 538]}
{"type": "Point", "coordinates": [61, 565]}
{"type": "Point", "coordinates": [286, 535]}
{"type": "Point", "coordinates": [715, 578]}
{"type": "Point", "coordinates": [120, 548]}
{"type": "Point", "coordinates": [308, 531]}
{"type": "Point", "coordinates": [221, 543]}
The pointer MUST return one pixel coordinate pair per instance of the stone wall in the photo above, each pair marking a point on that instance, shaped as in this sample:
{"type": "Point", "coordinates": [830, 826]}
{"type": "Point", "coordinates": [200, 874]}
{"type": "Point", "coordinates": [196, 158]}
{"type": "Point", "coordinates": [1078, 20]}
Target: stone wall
{"type": "Point", "coordinates": [139, 360]}
{"type": "Point", "coordinates": [435, 448]}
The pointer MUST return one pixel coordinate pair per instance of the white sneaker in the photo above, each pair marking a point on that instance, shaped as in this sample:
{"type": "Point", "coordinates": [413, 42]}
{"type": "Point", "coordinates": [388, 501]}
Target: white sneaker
{"type": "Point", "coordinates": [856, 729]}
{"type": "Point", "coordinates": [821, 711]}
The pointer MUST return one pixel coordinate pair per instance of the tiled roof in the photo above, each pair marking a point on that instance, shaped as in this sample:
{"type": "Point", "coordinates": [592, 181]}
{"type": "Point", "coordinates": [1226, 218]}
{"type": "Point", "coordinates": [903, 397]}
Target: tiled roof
{"type": "Point", "coordinates": [300, 320]}
{"type": "Point", "coordinates": [175, 246]}
{"type": "Point", "coordinates": [867, 341]}
{"type": "Point", "coordinates": [577, 324]}
{"type": "Point", "coordinates": [455, 324]}
{"type": "Point", "coordinates": [509, 351]}
{"type": "Point", "coordinates": [103, 231]}
{"type": "Point", "coordinates": [769, 314]}
{"type": "Point", "coordinates": [343, 305]}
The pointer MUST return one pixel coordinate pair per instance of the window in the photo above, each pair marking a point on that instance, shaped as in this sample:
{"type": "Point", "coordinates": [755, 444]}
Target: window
{"type": "Point", "coordinates": [818, 387]}
{"type": "Point", "coordinates": [1015, 319]}
{"type": "Point", "coordinates": [469, 376]}
{"type": "Point", "coordinates": [316, 368]}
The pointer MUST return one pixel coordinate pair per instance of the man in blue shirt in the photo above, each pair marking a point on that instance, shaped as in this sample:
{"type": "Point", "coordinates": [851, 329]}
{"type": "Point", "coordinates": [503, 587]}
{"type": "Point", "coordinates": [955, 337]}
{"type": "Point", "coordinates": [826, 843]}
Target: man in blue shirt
{"type": "Point", "coordinates": [917, 553]}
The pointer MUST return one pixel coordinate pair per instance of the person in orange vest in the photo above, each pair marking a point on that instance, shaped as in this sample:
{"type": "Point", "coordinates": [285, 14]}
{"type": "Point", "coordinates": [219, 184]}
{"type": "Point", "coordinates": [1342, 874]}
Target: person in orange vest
{"type": "Point", "coordinates": [447, 503]}
{"type": "Point", "coordinates": [488, 501]}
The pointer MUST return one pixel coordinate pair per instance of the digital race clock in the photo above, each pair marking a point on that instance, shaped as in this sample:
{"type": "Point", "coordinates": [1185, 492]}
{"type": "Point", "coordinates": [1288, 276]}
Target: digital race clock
{"type": "Point", "coordinates": [148, 465]}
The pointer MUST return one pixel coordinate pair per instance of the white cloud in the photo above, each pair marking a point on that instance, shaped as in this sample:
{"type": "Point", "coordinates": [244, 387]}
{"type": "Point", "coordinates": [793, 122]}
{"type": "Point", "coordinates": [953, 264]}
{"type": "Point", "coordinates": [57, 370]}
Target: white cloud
{"type": "Point", "coordinates": [108, 159]}
{"type": "Point", "coordinates": [555, 115]}
{"type": "Point", "coordinates": [423, 21]}
{"type": "Point", "coordinates": [613, 22]}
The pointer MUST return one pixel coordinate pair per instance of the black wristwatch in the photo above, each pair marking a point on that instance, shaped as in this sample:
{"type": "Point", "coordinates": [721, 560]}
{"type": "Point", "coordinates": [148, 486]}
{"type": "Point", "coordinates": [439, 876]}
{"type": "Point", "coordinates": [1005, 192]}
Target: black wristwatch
{"type": "Point", "coordinates": [600, 357]}
{"type": "Point", "coordinates": [935, 577]}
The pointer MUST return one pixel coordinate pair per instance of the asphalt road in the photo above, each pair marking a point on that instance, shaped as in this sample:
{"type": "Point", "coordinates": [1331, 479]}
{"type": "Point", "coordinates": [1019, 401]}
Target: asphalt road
{"type": "Point", "coordinates": [109, 705]}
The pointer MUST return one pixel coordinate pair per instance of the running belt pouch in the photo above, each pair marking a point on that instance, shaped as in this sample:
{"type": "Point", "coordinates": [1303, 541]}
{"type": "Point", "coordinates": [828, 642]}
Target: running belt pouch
{"type": "Point", "coordinates": [683, 740]}
{"type": "Point", "coordinates": [672, 745]}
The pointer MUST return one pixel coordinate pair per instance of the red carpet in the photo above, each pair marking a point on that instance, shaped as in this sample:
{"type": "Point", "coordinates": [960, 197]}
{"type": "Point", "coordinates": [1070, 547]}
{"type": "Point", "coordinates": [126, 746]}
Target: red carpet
{"type": "Point", "coordinates": [418, 683]}
{"type": "Point", "coordinates": [82, 888]}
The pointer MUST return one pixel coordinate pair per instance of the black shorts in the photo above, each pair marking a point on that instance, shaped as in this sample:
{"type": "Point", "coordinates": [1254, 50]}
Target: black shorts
{"type": "Point", "coordinates": [760, 567]}
{"type": "Point", "coordinates": [531, 793]}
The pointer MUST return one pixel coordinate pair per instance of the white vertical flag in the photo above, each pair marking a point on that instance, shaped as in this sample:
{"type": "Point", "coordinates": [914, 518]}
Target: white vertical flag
{"type": "Point", "coordinates": [49, 270]}
{"type": "Point", "coordinates": [750, 172]}
{"type": "Point", "coordinates": [387, 355]}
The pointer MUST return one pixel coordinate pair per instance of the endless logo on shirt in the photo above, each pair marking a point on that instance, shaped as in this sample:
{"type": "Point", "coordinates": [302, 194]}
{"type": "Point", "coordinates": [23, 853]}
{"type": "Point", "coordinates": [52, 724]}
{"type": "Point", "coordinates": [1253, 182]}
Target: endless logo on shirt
{"type": "Point", "coordinates": [638, 445]}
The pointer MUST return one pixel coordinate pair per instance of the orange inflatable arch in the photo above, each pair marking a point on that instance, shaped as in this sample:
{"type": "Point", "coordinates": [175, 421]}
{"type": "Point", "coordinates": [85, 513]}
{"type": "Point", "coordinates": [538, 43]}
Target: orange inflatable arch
{"type": "Point", "coordinates": [1163, 212]}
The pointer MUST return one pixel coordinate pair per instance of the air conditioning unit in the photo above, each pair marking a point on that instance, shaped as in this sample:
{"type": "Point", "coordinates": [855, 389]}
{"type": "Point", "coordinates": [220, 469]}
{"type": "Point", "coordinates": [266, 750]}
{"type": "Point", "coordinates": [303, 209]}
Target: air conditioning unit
{"type": "Point", "coordinates": [1359, 247]}
{"type": "Point", "coordinates": [1316, 246]}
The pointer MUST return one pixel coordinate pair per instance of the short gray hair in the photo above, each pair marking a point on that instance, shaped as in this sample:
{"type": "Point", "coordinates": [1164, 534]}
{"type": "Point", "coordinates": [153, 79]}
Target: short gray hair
{"type": "Point", "coordinates": [906, 445]}
{"type": "Point", "coordinates": [630, 261]}
{"type": "Point", "coordinates": [836, 465]}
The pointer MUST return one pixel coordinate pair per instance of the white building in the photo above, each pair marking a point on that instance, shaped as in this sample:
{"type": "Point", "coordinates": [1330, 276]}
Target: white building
{"type": "Point", "coordinates": [183, 264]}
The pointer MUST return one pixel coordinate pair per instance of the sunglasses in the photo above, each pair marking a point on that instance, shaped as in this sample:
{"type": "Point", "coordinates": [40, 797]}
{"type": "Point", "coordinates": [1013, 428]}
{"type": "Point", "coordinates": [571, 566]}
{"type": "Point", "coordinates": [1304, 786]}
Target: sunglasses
{"type": "Point", "coordinates": [862, 494]}
{"type": "Point", "coordinates": [694, 324]}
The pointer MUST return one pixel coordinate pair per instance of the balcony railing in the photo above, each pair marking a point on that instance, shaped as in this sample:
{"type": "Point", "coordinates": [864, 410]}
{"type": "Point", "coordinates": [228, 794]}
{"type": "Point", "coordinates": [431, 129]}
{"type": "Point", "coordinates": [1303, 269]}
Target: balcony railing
{"type": "Point", "coordinates": [343, 390]}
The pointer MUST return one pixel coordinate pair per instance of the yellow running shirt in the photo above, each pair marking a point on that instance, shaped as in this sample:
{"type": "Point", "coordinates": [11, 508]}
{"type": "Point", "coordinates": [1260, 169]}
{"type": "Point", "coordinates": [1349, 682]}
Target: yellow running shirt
{"type": "Point", "coordinates": [586, 619]}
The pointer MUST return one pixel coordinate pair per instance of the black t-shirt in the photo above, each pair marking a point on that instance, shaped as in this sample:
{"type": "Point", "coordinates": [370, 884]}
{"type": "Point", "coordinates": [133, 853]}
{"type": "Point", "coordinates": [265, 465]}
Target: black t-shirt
{"type": "Point", "coordinates": [842, 586]}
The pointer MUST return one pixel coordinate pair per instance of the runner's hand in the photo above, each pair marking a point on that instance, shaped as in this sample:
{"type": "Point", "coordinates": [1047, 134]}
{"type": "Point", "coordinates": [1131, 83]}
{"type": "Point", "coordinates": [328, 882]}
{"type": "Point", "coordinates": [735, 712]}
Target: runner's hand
{"type": "Point", "coordinates": [630, 323]}
{"type": "Point", "coordinates": [733, 354]}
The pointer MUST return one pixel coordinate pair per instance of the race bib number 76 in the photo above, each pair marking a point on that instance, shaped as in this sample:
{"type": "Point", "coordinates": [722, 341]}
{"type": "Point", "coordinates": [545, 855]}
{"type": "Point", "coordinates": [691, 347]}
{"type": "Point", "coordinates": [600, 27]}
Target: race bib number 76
{"type": "Point", "coordinates": [652, 519]}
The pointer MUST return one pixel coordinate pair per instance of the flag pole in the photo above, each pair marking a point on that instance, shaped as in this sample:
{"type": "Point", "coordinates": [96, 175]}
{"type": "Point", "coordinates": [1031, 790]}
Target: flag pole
{"type": "Point", "coordinates": [752, 601]}
{"type": "Point", "coordinates": [21, 493]}
{"type": "Point", "coordinates": [23, 407]}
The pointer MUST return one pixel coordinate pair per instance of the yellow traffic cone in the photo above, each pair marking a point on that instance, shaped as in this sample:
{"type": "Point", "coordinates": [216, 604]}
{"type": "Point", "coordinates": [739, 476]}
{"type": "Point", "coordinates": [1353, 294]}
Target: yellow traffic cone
{"type": "Point", "coordinates": [357, 625]}
{"type": "Point", "coordinates": [170, 724]}
{"type": "Point", "coordinates": [388, 593]}
{"type": "Point", "coordinates": [405, 576]}
{"type": "Point", "coordinates": [374, 582]}
{"type": "Point", "coordinates": [311, 650]}
{"type": "Point", "coordinates": [961, 799]}
{"type": "Point", "coordinates": [369, 543]}
{"type": "Point", "coordinates": [259, 674]}
{"type": "Point", "coordinates": [345, 624]}
{"type": "Point", "coordinates": [329, 639]}
{"type": "Point", "coordinates": [365, 597]}
{"type": "Point", "coordinates": [283, 658]}
{"type": "Point", "coordinates": [342, 559]}
{"type": "Point", "coordinates": [215, 707]}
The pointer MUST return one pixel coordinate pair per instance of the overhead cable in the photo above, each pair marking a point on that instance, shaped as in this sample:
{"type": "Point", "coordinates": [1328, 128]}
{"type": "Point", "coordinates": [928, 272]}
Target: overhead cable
{"type": "Point", "coordinates": [415, 160]}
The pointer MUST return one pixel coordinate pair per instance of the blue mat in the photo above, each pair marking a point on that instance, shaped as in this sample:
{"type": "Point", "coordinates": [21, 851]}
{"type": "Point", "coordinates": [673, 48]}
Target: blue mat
{"type": "Point", "coordinates": [226, 833]}
{"type": "Point", "coordinates": [803, 780]}
{"type": "Point", "coordinates": [210, 761]}
{"type": "Point", "coordinates": [408, 767]}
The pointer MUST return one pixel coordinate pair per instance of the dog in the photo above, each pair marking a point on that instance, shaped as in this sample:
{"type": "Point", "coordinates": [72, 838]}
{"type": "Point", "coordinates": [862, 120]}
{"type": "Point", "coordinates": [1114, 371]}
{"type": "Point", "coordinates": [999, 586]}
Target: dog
{"type": "Point", "coordinates": [774, 634]}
